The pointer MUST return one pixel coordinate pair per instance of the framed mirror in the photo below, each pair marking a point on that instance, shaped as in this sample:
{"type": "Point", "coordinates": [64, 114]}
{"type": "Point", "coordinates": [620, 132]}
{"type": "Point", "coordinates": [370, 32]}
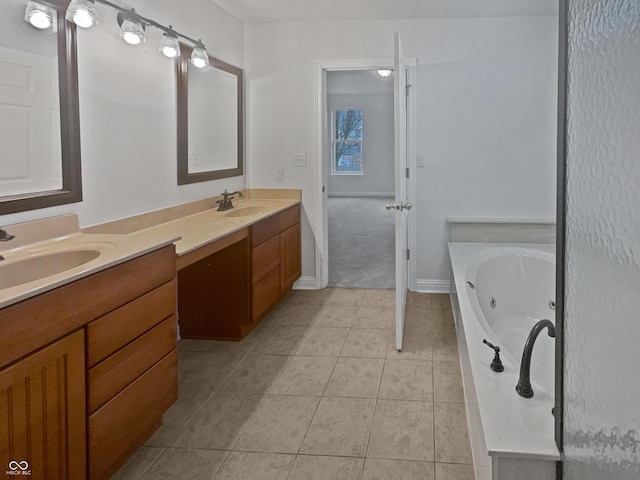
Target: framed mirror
{"type": "Point", "coordinates": [210, 120]}
{"type": "Point", "coordinates": [39, 119]}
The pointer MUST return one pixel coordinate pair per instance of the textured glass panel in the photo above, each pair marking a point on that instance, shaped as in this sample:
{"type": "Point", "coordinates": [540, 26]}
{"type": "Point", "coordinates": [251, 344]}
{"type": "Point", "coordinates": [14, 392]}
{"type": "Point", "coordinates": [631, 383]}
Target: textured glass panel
{"type": "Point", "coordinates": [602, 281]}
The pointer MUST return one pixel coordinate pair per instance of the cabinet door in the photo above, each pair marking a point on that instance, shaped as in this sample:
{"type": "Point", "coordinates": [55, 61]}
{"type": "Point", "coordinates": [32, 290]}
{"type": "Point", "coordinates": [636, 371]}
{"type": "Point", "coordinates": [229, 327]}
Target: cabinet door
{"type": "Point", "coordinates": [290, 261]}
{"type": "Point", "coordinates": [42, 409]}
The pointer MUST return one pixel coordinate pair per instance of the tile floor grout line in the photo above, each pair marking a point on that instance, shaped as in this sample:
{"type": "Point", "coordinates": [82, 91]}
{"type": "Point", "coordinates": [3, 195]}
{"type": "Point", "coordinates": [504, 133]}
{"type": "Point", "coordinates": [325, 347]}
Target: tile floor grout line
{"type": "Point", "coordinates": [433, 383]}
{"type": "Point", "coordinates": [373, 419]}
{"type": "Point", "coordinates": [152, 462]}
{"type": "Point", "coordinates": [214, 474]}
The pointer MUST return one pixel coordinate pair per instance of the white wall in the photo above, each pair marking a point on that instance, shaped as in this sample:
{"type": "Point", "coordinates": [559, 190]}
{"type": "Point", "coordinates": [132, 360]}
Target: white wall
{"type": "Point", "coordinates": [487, 130]}
{"type": "Point", "coordinates": [279, 59]}
{"type": "Point", "coordinates": [602, 282]}
{"type": "Point", "coordinates": [377, 146]}
{"type": "Point", "coordinates": [128, 112]}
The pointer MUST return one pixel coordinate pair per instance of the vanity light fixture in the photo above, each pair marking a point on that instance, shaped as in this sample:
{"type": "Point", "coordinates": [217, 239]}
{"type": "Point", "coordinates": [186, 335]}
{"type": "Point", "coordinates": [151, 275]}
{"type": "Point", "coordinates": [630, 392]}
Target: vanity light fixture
{"type": "Point", "coordinates": [384, 73]}
{"type": "Point", "coordinates": [83, 13]}
{"type": "Point", "coordinates": [40, 16]}
{"type": "Point", "coordinates": [132, 27]}
{"type": "Point", "coordinates": [169, 45]}
{"type": "Point", "coordinates": [199, 56]}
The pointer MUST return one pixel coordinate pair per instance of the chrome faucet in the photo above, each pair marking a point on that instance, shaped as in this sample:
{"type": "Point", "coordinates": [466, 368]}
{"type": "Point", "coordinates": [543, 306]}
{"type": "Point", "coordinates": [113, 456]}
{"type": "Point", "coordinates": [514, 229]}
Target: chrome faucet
{"type": "Point", "coordinates": [225, 203]}
{"type": "Point", "coordinates": [524, 383]}
{"type": "Point", "coordinates": [4, 236]}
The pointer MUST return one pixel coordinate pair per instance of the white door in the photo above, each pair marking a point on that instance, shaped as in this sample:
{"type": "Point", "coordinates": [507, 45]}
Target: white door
{"type": "Point", "coordinates": [401, 206]}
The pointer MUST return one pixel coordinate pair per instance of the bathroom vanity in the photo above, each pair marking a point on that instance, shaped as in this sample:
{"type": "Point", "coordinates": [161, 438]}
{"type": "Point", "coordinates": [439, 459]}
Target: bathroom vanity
{"type": "Point", "coordinates": [90, 369]}
{"type": "Point", "coordinates": [226, 288]}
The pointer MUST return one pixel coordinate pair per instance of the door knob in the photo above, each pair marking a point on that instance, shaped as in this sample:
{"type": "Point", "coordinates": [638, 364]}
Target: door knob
{"type": "Point", "coordinates": [405, 206]}
{"type": "Point", "coordinates": [392, 206]}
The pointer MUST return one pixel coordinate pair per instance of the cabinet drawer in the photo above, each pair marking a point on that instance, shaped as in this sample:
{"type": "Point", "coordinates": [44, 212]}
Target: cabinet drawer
{"type": "Point", "coordinates": [264, 258]}
{"type": "Point", "coordinates": [125, 422]}
{"type": "Point", "coordinates": [75, 304]}
{"type": "Point", "coordinates": [271, 226]}
{"type": "Point", "coordinates": [117, 371]}
{"type": "Point", "coordinates": [265, 293]}
{"type": "Point", "coordinates": [116, 329]}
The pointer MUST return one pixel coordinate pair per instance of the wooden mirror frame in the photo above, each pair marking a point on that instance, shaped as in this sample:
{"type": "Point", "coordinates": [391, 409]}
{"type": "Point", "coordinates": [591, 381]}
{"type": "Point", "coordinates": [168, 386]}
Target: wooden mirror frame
{"type": "Point", "coordinates": [71, 190]}
{"type": "Point", "coordinates": [182, 76]}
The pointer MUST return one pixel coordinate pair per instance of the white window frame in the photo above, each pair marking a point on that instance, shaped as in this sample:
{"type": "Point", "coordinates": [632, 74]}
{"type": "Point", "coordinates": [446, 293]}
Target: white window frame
{"type": "Point", "coordinates": [334, 141]}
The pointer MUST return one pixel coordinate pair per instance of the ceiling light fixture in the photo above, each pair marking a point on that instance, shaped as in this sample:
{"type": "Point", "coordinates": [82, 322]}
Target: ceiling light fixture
{"type": "Point", "coordinates": [384, 73]}
{"type": "Point", "coordinates": [132, 29]}
{"type": "Point", "coordinates": [40, 16]}
{"type": "Point", "coordinates": [83, 13]}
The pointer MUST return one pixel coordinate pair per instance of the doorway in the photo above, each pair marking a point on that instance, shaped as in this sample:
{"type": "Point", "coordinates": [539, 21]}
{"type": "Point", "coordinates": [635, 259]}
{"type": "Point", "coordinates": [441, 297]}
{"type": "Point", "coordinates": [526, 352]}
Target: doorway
{"type": "Point", "coordinates": [360, 179]}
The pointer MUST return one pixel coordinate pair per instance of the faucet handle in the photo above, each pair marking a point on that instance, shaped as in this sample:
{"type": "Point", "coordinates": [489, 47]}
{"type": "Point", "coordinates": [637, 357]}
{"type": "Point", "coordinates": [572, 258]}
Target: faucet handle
{"type": "Point", "coordinates": [496, 364]}
{"type": "Point", "coordinates": [495, 347]}
{"type": "Point", "coordinates": [4, 236]}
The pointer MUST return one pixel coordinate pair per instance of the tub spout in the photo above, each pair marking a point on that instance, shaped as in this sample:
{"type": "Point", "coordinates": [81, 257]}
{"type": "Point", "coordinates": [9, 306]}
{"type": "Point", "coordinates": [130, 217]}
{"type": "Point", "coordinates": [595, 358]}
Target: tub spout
{"type": "Point", "coordinates": [524, 383]}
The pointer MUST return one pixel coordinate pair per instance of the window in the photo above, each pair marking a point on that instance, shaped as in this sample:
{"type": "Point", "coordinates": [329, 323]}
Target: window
{"type": "Point", "coordinates": [347, 142]}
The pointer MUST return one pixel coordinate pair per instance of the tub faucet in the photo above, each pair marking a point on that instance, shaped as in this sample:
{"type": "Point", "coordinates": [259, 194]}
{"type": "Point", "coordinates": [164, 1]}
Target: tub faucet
{"type": "Point", "coordinates": [4, 236]}
{"type": "Point", "coordinates": [225, 203]}
{"type": "Point", "coordinates": [524, 383]}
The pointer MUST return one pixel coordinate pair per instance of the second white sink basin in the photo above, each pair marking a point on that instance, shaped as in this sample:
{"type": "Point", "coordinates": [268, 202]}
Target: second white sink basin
{"type": "Point", "coordinates": [32, 268]}
{"type": "Point", "coordinates": [249, 210]}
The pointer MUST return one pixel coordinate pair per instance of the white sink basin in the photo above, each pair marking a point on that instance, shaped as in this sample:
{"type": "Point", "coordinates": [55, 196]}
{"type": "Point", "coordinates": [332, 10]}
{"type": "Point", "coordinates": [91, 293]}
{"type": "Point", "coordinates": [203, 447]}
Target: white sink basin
{"type": "Point", "coordinates": [249, 210]}
{"type": "Point", "coordinates": [35, 267]}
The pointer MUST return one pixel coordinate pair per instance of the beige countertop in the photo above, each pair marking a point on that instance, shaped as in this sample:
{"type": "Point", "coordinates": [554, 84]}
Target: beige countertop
{"type": "Point", "coordinates": [208, 226]}
{"type": "Point", "coordinates": [189, 226]}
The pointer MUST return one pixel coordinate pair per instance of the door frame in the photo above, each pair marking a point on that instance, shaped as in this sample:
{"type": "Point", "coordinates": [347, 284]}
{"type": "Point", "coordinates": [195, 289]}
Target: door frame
{"type": "Point", "coordinates": [321, 155]}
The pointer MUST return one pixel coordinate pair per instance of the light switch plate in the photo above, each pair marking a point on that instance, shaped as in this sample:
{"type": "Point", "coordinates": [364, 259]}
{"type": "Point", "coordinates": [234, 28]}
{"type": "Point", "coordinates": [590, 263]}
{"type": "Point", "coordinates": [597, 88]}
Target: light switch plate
{"type": "Point", "coordinates": [421, 160]}
{"type": "Point", "coordinates": [299, 159]}
{"type": "Point", "coordinates": [280, 174]}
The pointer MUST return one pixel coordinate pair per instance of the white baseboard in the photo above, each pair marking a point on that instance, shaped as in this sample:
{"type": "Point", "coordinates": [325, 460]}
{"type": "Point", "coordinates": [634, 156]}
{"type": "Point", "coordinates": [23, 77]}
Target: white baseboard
{"type": "Point", "coordinates": [422, 286]}
{"type": "Point", "coordinates": [305, 283]}
{"type": "Point", "coordinates": [362, 194]}
{"type": "Point", "coordinates": [433, 286]}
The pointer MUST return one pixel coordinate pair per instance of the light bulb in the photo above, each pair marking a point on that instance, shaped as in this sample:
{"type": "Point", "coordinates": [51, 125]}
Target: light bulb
{"type": "Point", "coordinates": [40, 20]}
{"type": "Point", "coordinates": [132, 32]}
{"type": "Point", "coordinates": [384, 73]}
{"type": "Point", "coordinates": [83, 13]}
{"type": "Point", "coordinates": [169, 45]}
{"type": "Point", "coordinates": [40, 16]}
{"type": "Point", "coordinates": [199, 57]}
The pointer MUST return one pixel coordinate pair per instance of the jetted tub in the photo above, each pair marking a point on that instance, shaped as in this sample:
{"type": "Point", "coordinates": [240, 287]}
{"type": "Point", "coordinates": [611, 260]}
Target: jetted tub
{"type": "Point", "coordinates": [499, 292]}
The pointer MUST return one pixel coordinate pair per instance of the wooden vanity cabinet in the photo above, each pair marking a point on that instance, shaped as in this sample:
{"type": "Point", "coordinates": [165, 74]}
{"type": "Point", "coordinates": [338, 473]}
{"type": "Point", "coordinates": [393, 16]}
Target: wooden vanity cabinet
{"type": "Point", "coordinates": [275, 260]}
{"type": "Point", "coordinates": [88, 369]}
{"type": "Point", "coordinates": [226, 287]}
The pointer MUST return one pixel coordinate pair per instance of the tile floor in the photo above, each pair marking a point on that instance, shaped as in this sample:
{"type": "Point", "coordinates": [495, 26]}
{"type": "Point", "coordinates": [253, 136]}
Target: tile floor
{"type": "Point", "coordinates": [318, 392]}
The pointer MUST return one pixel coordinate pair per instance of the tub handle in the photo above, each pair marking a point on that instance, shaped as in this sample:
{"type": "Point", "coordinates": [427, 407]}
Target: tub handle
{"type": "Point", "coordinates": [496, 364]}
